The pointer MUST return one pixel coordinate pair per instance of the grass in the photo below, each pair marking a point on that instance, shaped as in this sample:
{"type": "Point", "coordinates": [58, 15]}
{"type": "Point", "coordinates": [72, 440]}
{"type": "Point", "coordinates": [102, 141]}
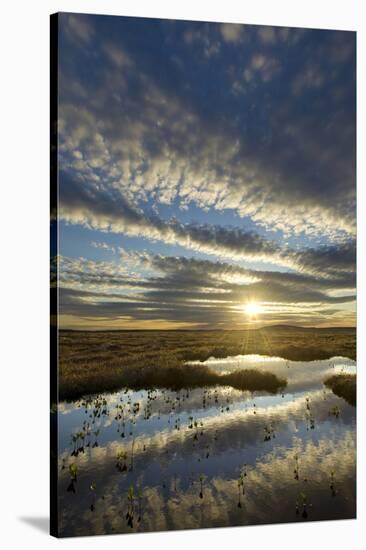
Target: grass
{"type": "Point", "coordinates": [180, 376]}
{"type": "Point", "coordinates": [343, 385]}
{"type": "Point", "coordinates": [91, 362]}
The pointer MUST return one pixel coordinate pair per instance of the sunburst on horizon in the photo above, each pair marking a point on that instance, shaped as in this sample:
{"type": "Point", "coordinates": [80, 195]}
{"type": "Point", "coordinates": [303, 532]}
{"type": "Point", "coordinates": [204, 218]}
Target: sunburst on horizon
{"type": "Point", "coordinates": [253, 309]}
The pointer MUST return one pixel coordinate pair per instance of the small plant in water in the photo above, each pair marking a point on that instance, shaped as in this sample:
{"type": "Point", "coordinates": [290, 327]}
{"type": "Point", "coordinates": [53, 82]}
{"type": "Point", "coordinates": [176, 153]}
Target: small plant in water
{"type": "Point", "coordinates": [296, 470]}
{"type": "Point", "coordinates": [201, 480]}
{"type": "Point", "coordinates": [268, 432]}
{"type": "Point", "coordinates": [332, 484]}
{"type": "Point", "coordinates": [139, 500]}
{"type": "Point", "coordinates": [96, 433]}
{"type": "Point", "coordinates": [130, 506]}
{"type": "Point", "coordinates": [73, 469]}
{"type": "Point", "coordinates": [121, 461]}
{"type": "Point", "coordinates": [334, 411]}
{"type": "Point", "coordinates": [303, 503]}
{"type": "Point", "coordinates": [92, 487]}
{"type": "Point", "coordinates": [241, 488]}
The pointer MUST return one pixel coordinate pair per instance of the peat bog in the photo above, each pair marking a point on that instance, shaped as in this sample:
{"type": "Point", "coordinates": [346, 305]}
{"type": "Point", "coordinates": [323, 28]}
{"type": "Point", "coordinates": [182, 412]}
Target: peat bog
{"type": "Point", "coordinates": [199, 431]}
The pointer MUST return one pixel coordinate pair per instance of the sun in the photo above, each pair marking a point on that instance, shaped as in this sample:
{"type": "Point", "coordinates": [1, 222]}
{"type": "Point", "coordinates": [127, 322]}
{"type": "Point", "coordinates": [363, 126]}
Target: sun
{"type": "Point", "coordinates": [252, 309]}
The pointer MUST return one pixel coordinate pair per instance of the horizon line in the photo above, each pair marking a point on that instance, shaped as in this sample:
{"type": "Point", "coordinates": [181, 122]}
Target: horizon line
{"type": "Point", "coordinates": [353, 327]}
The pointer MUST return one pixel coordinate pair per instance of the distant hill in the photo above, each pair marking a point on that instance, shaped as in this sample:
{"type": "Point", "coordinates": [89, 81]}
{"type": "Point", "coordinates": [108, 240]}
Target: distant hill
{"type": "Point", "coordinates": [294, 328]}
{"type": "Point", "coordinates": [268, 328]}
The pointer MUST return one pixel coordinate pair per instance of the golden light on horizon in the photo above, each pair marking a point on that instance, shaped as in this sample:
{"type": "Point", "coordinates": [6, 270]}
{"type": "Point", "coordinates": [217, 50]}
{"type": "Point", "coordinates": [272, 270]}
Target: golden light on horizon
{"type": "Point", "coordinates": [253, 309]}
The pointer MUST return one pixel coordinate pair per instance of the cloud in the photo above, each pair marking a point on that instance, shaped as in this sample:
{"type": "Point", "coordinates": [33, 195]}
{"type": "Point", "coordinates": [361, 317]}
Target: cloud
{"type": "Point", "coordinates": [230, 273]}
{"type": "Point", "coordinates": [104, 208]}
{"type": "Point", "coordinates": [266, 66]}
{"type": "Point", "coordinates": [330, 259]}
{"type": "Point", "coordinates": [267, 35]}
{"type": "Point", "coordinates": [205, 37]}
{"type": "Point", "coordinates": [187, 290]}
{"type": "Point", "coordinates": [78, 27]}
{"type": "Point", "coordinates": [158, 139]}
{"type": "Point", "coordinates": [117, 55]}
{"type": "Point", "coordinates": [103, 246]}
{"type": "Point", "coordinates": [215, 121]}
{"type": "Point", "coordinates": [232, 32]}
{"type": "Point", "coordinates": [311, 77]}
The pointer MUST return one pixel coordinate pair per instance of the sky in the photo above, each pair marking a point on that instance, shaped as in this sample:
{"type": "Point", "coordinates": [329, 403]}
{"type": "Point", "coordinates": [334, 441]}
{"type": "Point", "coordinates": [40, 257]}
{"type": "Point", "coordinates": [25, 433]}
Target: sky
{"type": "Point", "coordinates": [206, 175]}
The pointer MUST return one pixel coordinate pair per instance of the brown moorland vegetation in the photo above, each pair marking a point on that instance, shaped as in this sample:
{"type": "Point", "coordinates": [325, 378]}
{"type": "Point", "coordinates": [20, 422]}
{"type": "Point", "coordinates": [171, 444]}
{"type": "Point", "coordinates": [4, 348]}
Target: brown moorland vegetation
{"type": "Point", "coordinates": [343, 385]}
{"type": "Point", "coordinates": [91, 362]}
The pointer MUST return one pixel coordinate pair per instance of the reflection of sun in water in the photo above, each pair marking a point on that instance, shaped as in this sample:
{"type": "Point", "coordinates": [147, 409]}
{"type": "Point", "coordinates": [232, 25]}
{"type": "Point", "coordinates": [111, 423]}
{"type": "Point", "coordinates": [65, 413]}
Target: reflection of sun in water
{"type": "Point", "coordinates": [252, 309]}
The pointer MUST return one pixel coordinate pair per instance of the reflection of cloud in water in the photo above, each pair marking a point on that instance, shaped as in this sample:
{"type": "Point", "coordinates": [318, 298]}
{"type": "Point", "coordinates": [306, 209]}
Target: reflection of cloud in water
{"type": "Point", "coordinates": [64, 408]}
{"type": "Point", "coordinates": [270, 495]}
{"type": "Point", "coordinates": [238, 428]}
{"type": "Point", "coordinates": [188, 399]}
{"type": "Point", "coordinates": [230, 441]}
{"type": "Point", "coordinates": [239, 402]}
{"type": "Point", "coordinates": [301, 376]}
{"type": "Point", "coordinates": [166, 460]}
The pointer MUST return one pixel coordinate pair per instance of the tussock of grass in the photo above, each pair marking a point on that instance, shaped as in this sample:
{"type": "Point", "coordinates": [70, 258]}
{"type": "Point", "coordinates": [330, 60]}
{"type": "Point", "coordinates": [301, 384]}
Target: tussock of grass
{"type": "Point", "coordinates": [343, 385]}
{"type": "Point", "coordinates": [191, 376]}
{"type": "Point", "coordinates": [92, 362]}
{"type": "Point", "coordinates": [174, 376]}
{"type": "Point", "coordinates": [254, 380]}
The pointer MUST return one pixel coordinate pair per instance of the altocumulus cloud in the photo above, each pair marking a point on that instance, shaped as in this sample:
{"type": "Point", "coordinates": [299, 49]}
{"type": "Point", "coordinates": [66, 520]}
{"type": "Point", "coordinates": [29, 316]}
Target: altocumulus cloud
{"type": "Point", "coordinates": [210, 119]}
{"type": "Point", "coordinates": [105, 208]}
{"type": "Point", "coordinates": [167, 134]}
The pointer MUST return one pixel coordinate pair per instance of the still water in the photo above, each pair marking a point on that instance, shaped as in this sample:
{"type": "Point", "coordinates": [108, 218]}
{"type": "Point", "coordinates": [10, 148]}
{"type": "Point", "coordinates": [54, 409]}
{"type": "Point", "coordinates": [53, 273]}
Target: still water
{"type": "Point", "coordinates": [134, 461]}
